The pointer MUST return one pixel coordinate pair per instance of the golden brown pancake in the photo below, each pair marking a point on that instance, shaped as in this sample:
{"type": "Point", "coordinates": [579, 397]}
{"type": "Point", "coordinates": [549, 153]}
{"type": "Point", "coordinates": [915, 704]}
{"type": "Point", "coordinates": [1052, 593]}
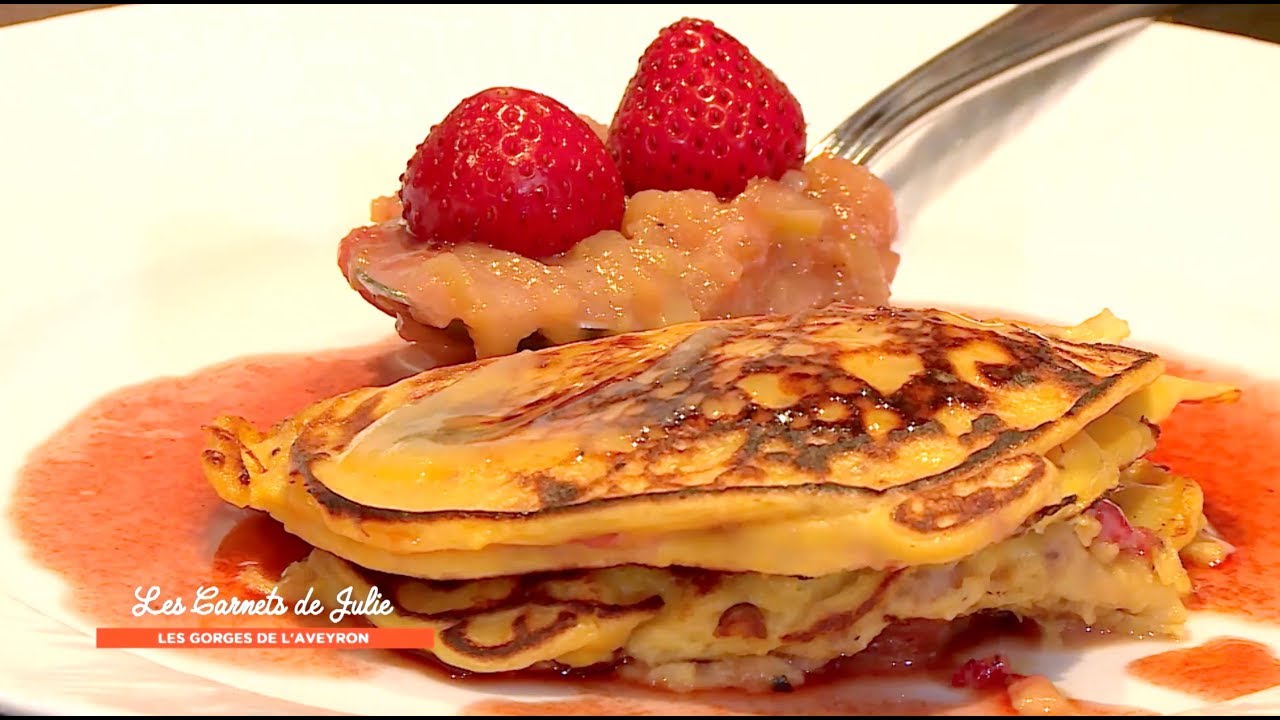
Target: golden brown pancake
{"type": "Point", "coordinates": [739, 502]}
{"type": "Point", "coordinates": [686, 628]}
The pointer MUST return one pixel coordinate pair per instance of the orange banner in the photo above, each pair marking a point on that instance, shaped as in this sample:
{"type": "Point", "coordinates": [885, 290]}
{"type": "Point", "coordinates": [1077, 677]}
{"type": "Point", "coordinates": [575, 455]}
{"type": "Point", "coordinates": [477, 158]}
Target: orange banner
{"type": "Point", "coordinates": [382, 638]}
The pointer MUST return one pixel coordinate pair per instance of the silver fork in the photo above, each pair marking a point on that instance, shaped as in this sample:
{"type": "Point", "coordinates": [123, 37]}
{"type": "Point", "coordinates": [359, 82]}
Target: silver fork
{"type": "Point", "coordinates": [1025, 39]}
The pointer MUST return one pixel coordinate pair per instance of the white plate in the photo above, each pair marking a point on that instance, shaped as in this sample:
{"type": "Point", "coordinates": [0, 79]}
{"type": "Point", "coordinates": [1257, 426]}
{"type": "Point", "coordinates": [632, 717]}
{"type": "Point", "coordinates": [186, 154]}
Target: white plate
{"type": "Point", "coordinates": [167, 173]}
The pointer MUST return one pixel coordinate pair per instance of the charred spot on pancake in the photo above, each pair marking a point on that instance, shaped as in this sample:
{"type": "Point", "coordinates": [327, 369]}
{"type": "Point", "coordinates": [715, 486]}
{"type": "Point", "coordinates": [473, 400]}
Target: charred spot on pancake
{"type": "Point", "coordinates": [528, 632]}
{"type": "Point", "coordinates": [984, 425]}
{"type": "Point", "coordinates": [650, 604]}
{"type": "Point", "coordinates": [741, 474]}
{"type": "Point", "coordinates": [554, 493]}
{"type": "Point", "coordinates": [703, 581]}
{"type": "Point", "coordinates": [457, 637]}
{"type": "Point", "coordinates": [214, 458]}
{"type": "Point", "coordinates": [1050, 510]}
{"type": "Point", "coordinates": [222, 434]}
{"type": "Point", "coordinates": [445, 599]}
{"type": "Point", "coordinates": [817, 458]}
{"type": "Point", "coordinates": [924, 395]}
{"type": "Point", "coordinates": [841, 621]}
{"type": "Point", "coordinates": [929, 427]}
{"type": "Point", "coordinates": [999, 374]}
{"type": "Point", "coordinates": [968, 497]}
{"type": "Point", "coordinates": [743, 620]}
{"type": "Point", "coordinates": [229, 453]}
{"type": "Point", "coordinates": [246, 454]}
{"type": "Point", "coordinates": [1154, 428]}
{"type": "Point", "coordinates": [355, 422]}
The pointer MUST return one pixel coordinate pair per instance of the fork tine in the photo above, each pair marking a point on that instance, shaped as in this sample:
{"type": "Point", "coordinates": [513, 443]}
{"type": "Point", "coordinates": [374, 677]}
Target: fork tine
{"type": "Point", "coordinates": [1025, 38]}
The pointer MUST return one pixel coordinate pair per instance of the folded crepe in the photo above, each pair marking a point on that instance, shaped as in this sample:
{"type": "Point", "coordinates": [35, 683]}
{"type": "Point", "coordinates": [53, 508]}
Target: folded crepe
{"type": "Point", "coordinates": [729, 502]}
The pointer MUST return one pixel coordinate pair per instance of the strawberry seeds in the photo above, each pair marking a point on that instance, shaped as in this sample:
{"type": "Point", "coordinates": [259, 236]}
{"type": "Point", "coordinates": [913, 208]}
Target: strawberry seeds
{"type": "Point", "coordinates": [516, 170]}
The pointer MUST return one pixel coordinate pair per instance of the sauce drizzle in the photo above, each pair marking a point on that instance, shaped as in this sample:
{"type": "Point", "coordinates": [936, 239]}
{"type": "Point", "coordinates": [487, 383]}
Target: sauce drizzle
{"type": "Point", "coordinates": [1233, 452]}
{"type": "Point", "coordinates": [1218, 670]}
{"type": "Point", "coordinates": [116, 499]}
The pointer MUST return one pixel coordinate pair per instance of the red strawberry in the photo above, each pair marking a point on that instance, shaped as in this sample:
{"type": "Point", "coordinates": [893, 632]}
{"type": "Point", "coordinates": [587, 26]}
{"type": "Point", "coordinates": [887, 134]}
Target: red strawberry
{"type": "Point", "coordinates": [702, 112]}
{"type": "Point", "coordinates": [514, 170]}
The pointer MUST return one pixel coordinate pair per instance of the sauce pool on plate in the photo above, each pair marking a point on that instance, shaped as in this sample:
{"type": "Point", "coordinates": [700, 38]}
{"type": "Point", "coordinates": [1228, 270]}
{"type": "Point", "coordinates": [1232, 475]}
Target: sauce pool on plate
{"type": "Point", "coordinates": [1230, 449]}
{"type": "Point", "coordinates": [1219, 670]}
{"type": "Point", "coordinates": [116, 499]}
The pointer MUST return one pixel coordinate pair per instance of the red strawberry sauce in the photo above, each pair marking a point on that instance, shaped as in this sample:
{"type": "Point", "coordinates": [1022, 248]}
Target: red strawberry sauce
{"type": "Point", "coordinates": [116, 499]}
{"type": "Point", "coordinates": [1218, 670]}
{"type": "Point", "coordinates": [1233, 451]}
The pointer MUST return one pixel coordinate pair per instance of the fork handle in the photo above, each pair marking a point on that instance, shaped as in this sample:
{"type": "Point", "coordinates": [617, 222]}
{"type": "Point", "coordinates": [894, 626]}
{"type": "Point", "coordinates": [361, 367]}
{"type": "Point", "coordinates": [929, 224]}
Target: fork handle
{"type": "Point", "coordinates": [1022, 39]}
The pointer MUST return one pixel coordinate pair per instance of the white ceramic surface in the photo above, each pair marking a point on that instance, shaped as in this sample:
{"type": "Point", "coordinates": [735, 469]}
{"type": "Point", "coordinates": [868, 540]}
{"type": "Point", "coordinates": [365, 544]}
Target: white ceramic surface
{"type": "Point", "coordinates": [167, 173]}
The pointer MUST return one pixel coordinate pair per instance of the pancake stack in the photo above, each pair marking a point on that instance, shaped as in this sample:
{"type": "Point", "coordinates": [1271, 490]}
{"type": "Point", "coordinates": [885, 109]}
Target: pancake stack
{"type": "Point", "coordinates": [739, 502]}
